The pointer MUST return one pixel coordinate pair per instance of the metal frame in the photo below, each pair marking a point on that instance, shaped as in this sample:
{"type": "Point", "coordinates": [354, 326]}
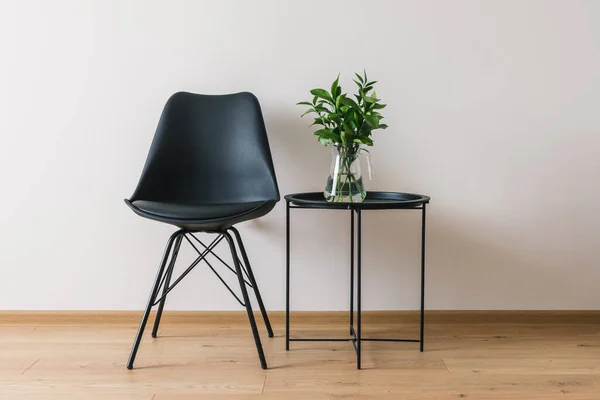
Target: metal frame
{"type": "Point", "coordinates": [355, 236]}
{"type": "Point", "coordinates": [165, 273]}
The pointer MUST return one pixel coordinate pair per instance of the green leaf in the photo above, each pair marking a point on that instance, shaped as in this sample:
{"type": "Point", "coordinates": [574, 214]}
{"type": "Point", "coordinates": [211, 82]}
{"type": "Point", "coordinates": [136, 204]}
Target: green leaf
{"type": "Point", "coordinates": [349, 102]}
{"type": "Point", "coordinates": [365, 74]}
{"type": "Point", "coordinates": [364, 140]}
{"type": "Point", "coordinates": [382, 126]}
{"type": "Point", "coordinates": [322, 93]}
{"type": "Point", "coordinates": [312, 110]}
{"type": "Point", "coordinates": [367, 99]}
{"type": "Point", "coordinates": [338, 99]}
{"type": "Point", "coordinates": [379, 106]}
{"type": "Point", "coordinates": [304, 103]}
{"type": "Point", "coordinates": [344, 138]}
{"type": "Point", "coordinates": [371, 83]}
{"type": "Point", "coordinates": [334, 86]}
{"type": "Point", "coordinates": [322, 104]}
{"type": "Point", "coordinates": [318, 121]}
{"type": "Point", "coordinates": [349, 117]}
{"type": "Point", "coordinates": [347, 126]}
{"type": "Point", "coordinates": [324, 141]}
{"type": "Point", "coordinates": [327, 133]}
{"type": "Point", "coordinates": [364, 130]}
{"type": "Point", "coordinates": [322, 132]}
{"type": "Point", "coordinates": [315, 100]}
{"type": "Point", "coordinates": [359, 78]}
{"type": "Point", "coordinates": [372, 120]}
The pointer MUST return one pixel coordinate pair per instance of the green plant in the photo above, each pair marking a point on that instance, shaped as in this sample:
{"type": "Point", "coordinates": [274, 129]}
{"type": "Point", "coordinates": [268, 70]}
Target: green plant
{"type": "Point", "coordinates": [345, 122]}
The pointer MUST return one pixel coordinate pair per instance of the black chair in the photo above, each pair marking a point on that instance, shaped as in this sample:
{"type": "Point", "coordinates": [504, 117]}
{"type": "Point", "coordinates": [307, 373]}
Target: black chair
{"type": "Point", "coordinates": [209, 167]}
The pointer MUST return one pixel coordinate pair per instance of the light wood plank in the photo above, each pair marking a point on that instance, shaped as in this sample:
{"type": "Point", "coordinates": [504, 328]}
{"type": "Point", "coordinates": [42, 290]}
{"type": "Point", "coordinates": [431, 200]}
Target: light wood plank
{"type": "Point", "coordinates": [216, 359]}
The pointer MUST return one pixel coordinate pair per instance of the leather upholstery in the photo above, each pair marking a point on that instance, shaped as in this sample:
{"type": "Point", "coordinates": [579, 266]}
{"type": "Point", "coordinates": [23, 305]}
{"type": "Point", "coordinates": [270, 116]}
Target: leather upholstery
{"type": "Point", "coordinates": [209, 165]}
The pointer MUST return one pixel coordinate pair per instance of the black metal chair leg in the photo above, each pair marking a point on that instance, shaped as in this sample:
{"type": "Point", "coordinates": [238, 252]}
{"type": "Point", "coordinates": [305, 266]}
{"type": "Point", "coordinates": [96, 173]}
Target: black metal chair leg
{"type": "Point", "coordinates": [238, 269]}
{"type": "Point", "coordinates": [253, 281]}
{"type": "Point", "coordinates": [169, 272]}
{"type": "Point", "coordinates": [161, 270]}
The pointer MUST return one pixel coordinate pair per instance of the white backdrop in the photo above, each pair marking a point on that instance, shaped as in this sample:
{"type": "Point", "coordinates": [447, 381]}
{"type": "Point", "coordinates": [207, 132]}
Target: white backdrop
{"type": "Point", "coordinates": [494, 111]}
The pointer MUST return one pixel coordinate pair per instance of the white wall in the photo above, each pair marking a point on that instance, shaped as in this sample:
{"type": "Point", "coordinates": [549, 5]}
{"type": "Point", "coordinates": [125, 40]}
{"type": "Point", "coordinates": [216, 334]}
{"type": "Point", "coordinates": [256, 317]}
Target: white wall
{"type": "Point", "coordinates": [494, 111]}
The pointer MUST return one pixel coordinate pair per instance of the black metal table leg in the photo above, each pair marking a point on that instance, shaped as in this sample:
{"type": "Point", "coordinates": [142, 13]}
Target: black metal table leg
{"type": "Point", "coordinates": [422, 320]}
{"type": "Point", "coordinates": [287, 275]}
{"type": "Point", "coordinates": [351, 271]}
{"type": "Point", "coordinates": [358, 288]}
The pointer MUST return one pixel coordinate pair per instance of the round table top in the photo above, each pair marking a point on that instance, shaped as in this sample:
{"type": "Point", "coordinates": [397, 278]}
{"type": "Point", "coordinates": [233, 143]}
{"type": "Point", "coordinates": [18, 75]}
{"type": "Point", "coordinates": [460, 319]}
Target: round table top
{"type": "Point", "coordinates": [373, 201]}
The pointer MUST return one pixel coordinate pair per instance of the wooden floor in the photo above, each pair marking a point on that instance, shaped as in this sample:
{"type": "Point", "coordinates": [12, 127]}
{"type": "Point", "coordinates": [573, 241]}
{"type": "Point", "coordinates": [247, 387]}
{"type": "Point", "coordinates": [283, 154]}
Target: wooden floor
{"type": "Point", "coordinates": [217, 360]}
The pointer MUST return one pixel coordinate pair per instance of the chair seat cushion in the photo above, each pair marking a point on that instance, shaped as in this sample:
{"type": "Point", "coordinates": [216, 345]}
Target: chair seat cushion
{"type": "Point", "coordinates": [201, 216]}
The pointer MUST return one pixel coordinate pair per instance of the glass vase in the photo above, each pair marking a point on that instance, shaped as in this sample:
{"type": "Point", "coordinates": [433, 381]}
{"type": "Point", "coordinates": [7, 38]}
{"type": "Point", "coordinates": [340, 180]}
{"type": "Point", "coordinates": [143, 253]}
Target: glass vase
{"type": "Point", "coordinates": [345, 181]}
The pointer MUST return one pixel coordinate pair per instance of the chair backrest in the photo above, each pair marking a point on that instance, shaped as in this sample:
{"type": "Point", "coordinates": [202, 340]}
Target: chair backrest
{"type": "Point", "coordinates": [209, 149]}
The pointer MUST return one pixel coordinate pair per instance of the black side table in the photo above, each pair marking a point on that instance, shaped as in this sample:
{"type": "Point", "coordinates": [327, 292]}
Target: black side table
{"type": "Point", "coordinates": [373, 201]}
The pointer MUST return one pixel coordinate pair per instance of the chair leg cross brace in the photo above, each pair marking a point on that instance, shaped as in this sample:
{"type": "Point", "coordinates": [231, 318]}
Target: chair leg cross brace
{"type": "Point", "coordinates": [209, 248]}
{"type": "Point", "coordinates": [165, 272]}
{"type": "Point", "coordinates": [167, 276]}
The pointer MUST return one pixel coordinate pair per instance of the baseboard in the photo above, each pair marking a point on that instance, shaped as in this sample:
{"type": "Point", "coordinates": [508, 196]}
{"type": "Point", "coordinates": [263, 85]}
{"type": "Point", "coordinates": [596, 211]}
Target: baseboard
{"type": "Point", "coordinates": [308, 317]}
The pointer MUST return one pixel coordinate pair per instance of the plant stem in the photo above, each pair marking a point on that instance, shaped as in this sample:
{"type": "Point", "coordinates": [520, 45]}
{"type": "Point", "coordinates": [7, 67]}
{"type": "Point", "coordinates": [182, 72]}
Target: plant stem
{"type": "Point", "coordinates": [344, 181]}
